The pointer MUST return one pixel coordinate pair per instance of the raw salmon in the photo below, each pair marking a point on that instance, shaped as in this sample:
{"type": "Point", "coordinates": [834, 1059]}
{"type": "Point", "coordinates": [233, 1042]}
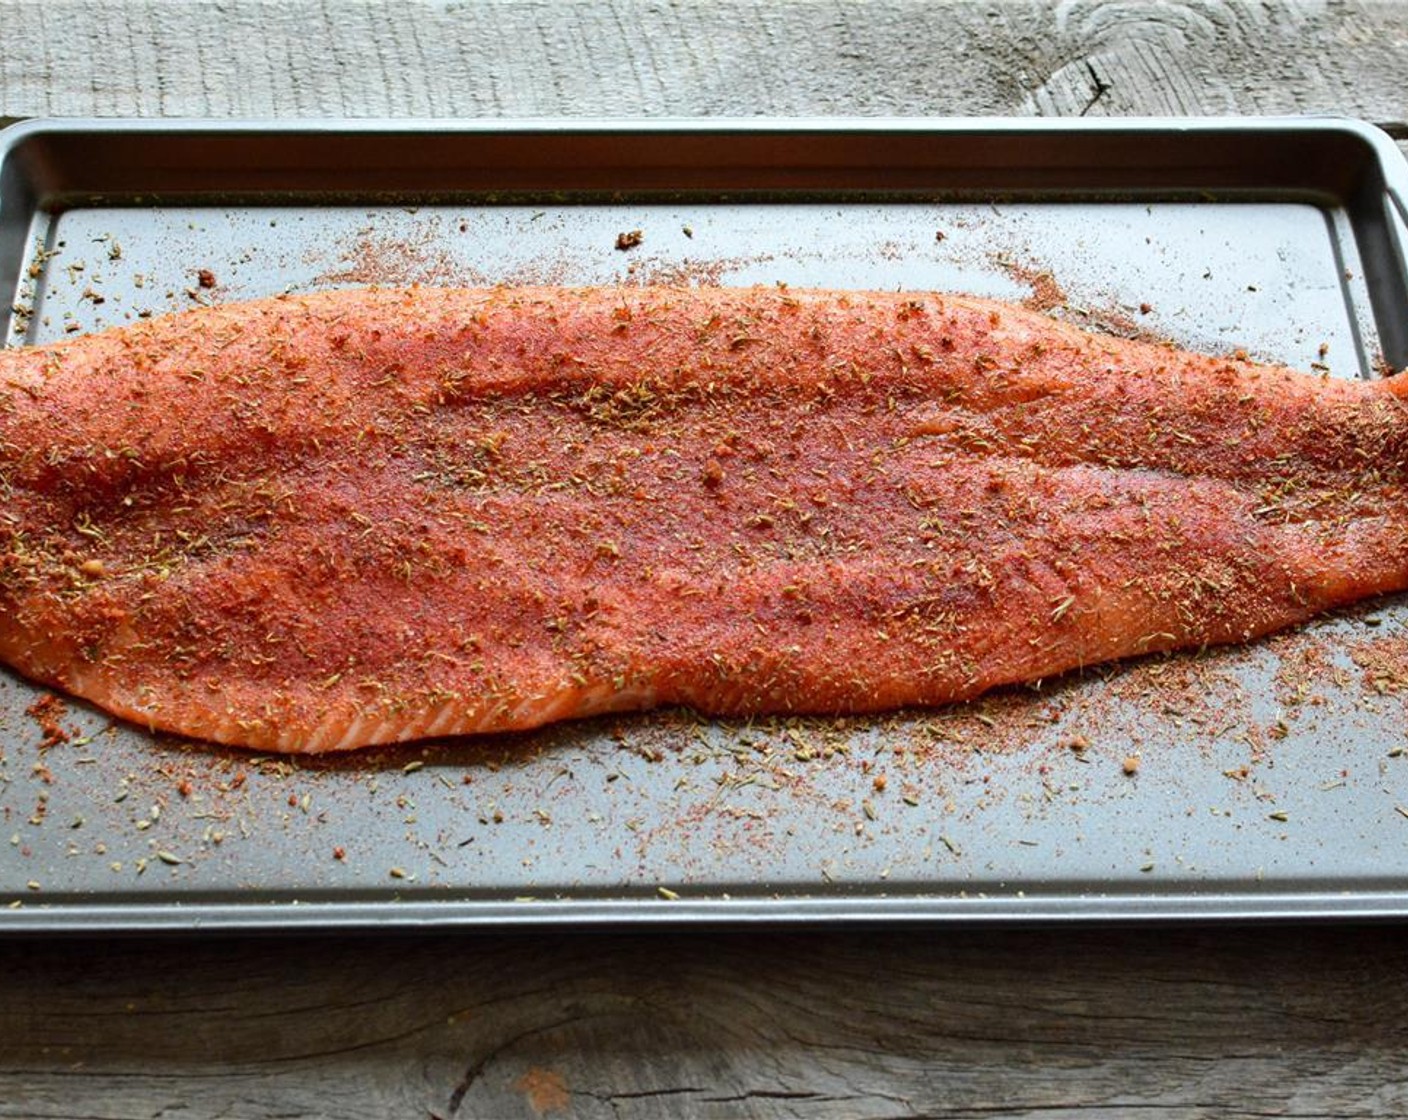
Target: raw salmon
{"type": "Point", "coordinates": [317, 522]}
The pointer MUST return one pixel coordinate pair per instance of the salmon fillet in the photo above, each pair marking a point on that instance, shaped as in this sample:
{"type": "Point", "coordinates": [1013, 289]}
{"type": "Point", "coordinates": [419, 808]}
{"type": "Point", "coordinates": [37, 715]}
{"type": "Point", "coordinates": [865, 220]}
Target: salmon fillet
{"type": "Point", "coordinates": [318, 522]}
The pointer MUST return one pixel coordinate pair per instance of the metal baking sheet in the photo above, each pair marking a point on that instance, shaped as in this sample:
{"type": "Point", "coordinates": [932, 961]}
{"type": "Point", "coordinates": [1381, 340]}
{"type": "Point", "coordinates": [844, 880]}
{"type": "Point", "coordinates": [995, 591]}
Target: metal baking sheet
{"type": "Point", "coordinates": [1268, 781]}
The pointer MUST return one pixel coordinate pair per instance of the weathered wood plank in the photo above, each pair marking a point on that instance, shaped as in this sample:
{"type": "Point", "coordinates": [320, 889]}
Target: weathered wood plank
{"type": "Point", "coordinates": [1213, 1022]}
{"type": "Point", "coordinates": [741, 57]}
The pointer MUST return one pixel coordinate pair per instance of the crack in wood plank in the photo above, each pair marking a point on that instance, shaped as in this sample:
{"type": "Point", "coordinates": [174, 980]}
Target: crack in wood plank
{"type": "Point", "coordinates": [1101, 87]}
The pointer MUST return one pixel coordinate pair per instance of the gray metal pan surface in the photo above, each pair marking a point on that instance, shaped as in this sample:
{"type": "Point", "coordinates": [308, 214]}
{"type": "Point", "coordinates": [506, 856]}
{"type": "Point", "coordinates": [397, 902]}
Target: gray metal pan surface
{"type": "Point", "coordinates": [1270, 781]}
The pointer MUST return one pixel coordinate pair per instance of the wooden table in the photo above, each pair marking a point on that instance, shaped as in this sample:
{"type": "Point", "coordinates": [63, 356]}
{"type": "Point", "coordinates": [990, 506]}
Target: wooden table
{"type": "Point", "coordinates": [1295, 1021]}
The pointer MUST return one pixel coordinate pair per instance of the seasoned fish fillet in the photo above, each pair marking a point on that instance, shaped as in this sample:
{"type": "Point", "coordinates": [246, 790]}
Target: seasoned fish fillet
{"type": "Point", "coordinates": [318, 522]}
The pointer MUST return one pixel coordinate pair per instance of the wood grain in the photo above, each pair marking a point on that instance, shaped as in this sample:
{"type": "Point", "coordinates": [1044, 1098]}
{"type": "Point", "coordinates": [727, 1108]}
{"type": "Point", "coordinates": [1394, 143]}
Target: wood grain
{"type": "Point", "coordinates": [1211, 1022]}
{"type": "Point", "coordinates": [1214, 1022]}
{"type": "Point", "coordinates": [726, 57]}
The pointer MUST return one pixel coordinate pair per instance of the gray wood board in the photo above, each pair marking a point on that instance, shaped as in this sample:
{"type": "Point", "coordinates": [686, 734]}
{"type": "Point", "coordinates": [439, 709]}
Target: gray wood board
{"type": "Point", "coordinates": [1187, 1023]}
{"type": "Point", "coordinates": [727, 57]}
{"type": "Point", "coordinates": [1190, 1023]}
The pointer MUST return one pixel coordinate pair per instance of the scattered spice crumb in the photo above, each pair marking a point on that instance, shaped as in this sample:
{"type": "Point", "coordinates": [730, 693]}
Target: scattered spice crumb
{"type": "Point", "coordinates": [47, 711]}
{"type": "Point", "coordinates": [629, 240]}
{"type": "Point", "coordinates": [545, 1089]}
{"type": "Point", "coordinates": [1046, 293]}
{"type": "Point", "coordinates": [205, 278]}
{"type": "Point", "coordinates": [1130, 764]}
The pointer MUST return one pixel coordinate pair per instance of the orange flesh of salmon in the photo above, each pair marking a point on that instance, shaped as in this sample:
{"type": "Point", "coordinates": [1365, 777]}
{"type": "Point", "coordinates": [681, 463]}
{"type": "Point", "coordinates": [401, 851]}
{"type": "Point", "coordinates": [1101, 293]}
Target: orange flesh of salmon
{"type": "Point", "coordinates": [320, 522]}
